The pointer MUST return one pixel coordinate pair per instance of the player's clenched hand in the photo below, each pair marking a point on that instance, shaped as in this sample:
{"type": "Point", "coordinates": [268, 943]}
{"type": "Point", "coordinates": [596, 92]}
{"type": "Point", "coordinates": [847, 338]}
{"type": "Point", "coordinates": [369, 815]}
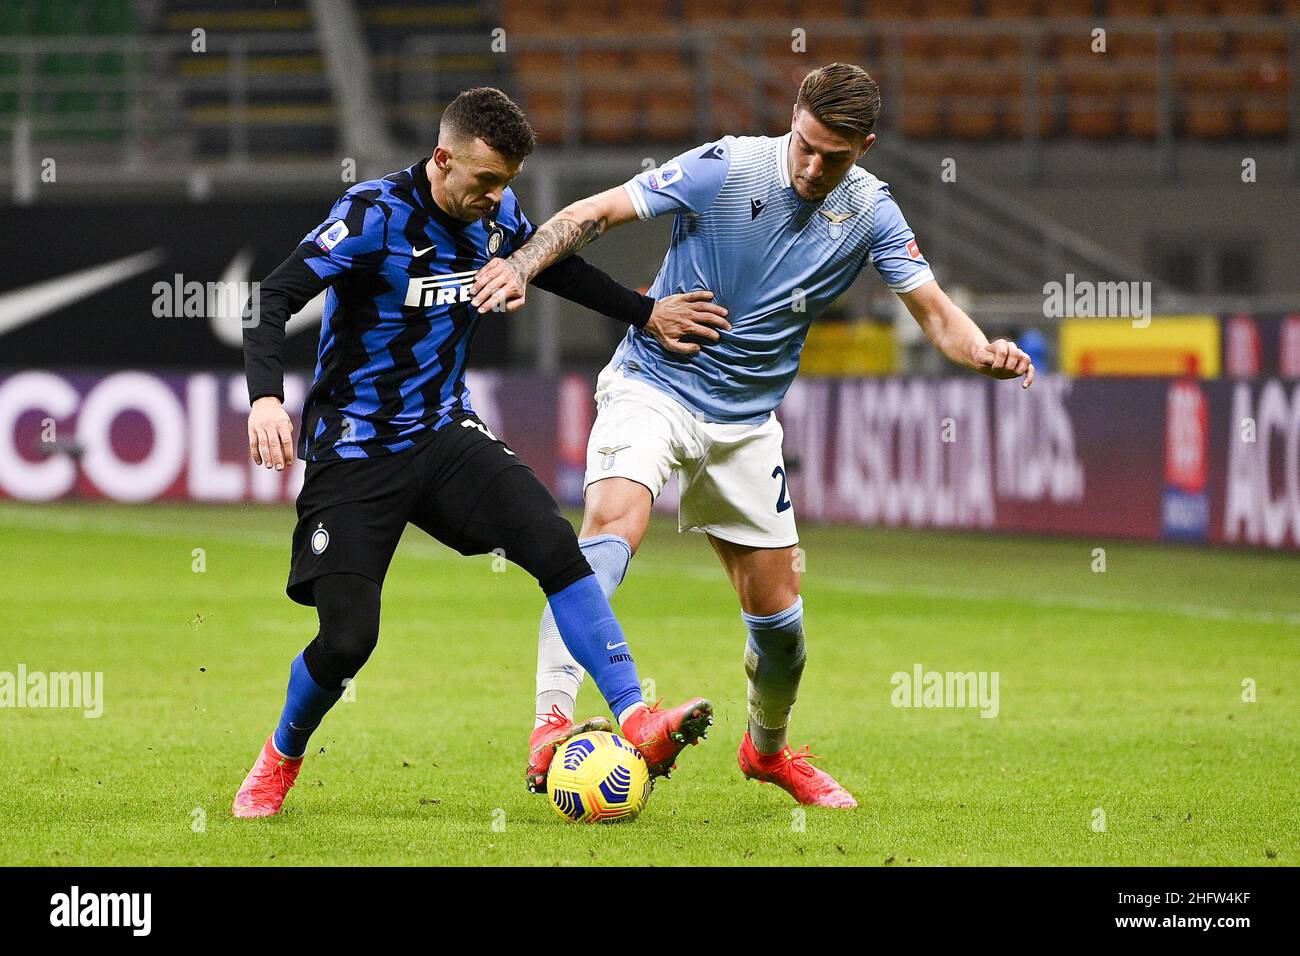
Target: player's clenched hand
{"type": "Point", "coordinates": [1002, 359]}
{"type": "Point", "coordinates": [270, 433]}
{"type": "Point", "coordinates": [688, 314]}
{"type": "Point", "coordinates": [497, 286]}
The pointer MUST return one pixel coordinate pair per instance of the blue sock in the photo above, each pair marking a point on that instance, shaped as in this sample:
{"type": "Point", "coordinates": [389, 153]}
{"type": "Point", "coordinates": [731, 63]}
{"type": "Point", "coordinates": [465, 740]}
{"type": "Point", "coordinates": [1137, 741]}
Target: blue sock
{"type": "Point", "coordinates": [774, 660]}
{"type": "Point", "coordinates": [595, 639]}
{"type": "Point", "coordinates": [306, 703]}
{"type": "Point", "coordinates": [558, 674]}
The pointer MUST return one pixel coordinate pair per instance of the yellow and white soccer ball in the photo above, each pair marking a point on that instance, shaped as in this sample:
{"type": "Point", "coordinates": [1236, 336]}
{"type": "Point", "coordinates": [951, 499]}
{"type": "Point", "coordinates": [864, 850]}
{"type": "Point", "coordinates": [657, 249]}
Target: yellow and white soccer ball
{"type": "Point", "coordinates": [598, 778]}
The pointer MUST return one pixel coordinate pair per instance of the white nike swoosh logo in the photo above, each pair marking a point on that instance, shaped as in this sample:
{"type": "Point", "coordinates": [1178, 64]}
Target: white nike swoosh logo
{"type": "Point", "coordinates": [226, 324]}
{"type": "Point", "coordinates": [419, 252]}
{"type": "Point", "coordinates": [19, 307]}
{"type": "Point", "coordinates": [610, 647]}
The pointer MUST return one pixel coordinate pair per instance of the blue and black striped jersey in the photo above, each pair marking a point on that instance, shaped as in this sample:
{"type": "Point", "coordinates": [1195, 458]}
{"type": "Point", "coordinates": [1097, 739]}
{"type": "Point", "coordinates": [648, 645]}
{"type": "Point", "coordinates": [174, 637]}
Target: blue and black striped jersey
{"type": "Point", "coordinates": [398, 322]}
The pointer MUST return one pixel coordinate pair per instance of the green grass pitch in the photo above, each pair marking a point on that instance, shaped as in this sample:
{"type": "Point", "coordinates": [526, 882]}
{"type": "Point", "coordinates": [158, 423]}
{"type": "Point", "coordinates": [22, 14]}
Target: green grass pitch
{"type": "Point", "coordinates": [1121, 703]}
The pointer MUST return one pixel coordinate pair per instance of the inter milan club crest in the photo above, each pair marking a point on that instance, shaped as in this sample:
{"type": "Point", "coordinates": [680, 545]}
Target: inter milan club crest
{"type": "Point", "coordinates": [609, 451]}
{"type": "Point", "coordinates": [835, 221]}
{"type": "Point", "coordinates": [495, 235]}
{"type": "Point", "coordinates": [320, 539]}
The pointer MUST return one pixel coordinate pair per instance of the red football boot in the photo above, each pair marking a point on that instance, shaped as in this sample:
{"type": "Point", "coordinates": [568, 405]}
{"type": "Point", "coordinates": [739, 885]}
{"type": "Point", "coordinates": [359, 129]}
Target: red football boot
{"type": "Point", "coordinates": [791, 771]}
{"type": "Point", "coordinates": [546, 738]}
{"type": "Point", "coordinates": [264, 789]}
{"type": "Point", "coordinates": [661, 735]}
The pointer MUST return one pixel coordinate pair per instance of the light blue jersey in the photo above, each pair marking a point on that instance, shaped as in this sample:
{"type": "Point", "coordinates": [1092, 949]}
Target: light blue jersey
{"type": "Point", "coordinates": [772, 259]}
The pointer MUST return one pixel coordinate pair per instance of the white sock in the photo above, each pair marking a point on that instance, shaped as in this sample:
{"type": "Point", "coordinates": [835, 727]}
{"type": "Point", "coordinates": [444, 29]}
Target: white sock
{"type": "Point", "coordinates": [558, 675]}
{"type": "Point", "coordinates": [629, 711]}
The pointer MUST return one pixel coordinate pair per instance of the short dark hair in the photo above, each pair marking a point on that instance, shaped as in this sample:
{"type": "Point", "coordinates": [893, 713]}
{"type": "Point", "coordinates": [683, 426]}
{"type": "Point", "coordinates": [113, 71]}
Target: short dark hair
{"type": "Point", "coordinates": [841, 96]}
{"type": "Point", "coordinates": [488, 114]}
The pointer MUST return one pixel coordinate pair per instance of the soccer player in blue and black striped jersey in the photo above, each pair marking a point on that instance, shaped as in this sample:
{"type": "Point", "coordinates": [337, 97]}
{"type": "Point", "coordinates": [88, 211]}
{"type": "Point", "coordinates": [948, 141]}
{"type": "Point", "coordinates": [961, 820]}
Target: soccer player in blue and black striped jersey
{"type": "Point", "coordinates": [389, 435]}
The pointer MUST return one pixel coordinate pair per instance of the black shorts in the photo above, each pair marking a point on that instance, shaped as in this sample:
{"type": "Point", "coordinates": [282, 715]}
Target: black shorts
{"type": "Point", "coordinates": [352, 511]}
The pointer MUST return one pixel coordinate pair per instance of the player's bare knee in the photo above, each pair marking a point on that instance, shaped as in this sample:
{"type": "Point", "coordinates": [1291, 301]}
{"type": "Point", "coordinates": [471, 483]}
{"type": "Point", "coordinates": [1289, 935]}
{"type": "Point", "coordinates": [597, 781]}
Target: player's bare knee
{"type": "Point", "coordinates": [617, 506]}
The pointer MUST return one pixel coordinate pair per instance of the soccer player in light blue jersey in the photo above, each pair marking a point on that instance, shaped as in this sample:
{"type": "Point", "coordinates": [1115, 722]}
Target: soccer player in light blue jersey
{"type": "Point", "coordinates": [777, 228]}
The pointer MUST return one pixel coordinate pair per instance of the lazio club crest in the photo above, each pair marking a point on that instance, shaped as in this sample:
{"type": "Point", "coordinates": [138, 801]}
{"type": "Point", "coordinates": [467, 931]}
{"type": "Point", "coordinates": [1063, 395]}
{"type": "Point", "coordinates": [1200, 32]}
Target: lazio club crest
{"type": "Point", "coordinates": [609, 451]}
{"type": "Point", "coordinates": [835, 221]}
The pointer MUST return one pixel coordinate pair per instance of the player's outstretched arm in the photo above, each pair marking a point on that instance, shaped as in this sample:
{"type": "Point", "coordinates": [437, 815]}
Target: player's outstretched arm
{"type": "Point", "coordinates": [677, 322]}
{"type": "Point", "coordinates": [956, 335]}
{"type": "Point", "coordinates": [501, 284]}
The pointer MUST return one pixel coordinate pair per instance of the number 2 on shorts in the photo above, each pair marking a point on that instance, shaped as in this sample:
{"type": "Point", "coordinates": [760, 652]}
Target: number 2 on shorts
{"type": "Point", "coordinates": [783, 499]}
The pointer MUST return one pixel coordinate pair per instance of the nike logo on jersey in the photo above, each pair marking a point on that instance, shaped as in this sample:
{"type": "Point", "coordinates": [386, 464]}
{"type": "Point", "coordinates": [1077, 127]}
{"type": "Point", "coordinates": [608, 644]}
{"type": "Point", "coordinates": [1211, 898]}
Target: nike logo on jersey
{"type": "Point", "coordinates": [419, 252]}
{"type": "Point", "coordinates": [755, 207]}
{"type": "Point", "coordinates": [610, 647]}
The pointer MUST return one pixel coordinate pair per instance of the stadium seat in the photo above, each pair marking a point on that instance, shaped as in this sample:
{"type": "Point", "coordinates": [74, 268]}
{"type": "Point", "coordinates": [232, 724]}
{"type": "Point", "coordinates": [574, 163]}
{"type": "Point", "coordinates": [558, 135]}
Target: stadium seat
{"type": "Point", "coordinates": [1196, 44]}
{"type": "Point", "coordinates": [973, 113]}
{"type": "Point", "coordinates": [842, 49]}
{"type": "Point", "coordinates": [1016, 122]}
{"type": "Point", "coordinates": [654, 63]}
{"type": "Point", "coordinates": [733, 110]}
{"type": "Point", "coordinates": [964, 48]}
{"type": "Point", "coordinates": [1141, 115]}
{"type": "Point", "coordinates": [883, 10]}
{"type": "Point", "coordinates": [1066, 9]}
{"type": "Point", "coordinates": [609, 116]}
{"type": "Point", "coordinates": [922, 114]}
{"type": "Point", "coordinates": [774, 11]}
{"type": "Point", "coordinates": [1130, 44]}
{"type": "Point", "coordinates": [1209, 94]}
{"type": "Point", "coordinates": [594, 65]}
{"type": "Point", "coordinates": [1122, 9]}
{"type": "Point", "coordinates": [532, 20]}
{"type": "Point", "coordinates": [943, 9]}
{"type": "Point", "coordinates": [1259, 45]}
{"type": "Point", "coordinates": [1096, 102]}
{"type": "Point", "coordinates": [707, 10]}
{"type": "Point", "coordinates": [1010, 9]}
{"type": "Point", "coordinates": [1264, 112]}
{"type": "Point", "coordinates": [1242, 8]}
{"type": "Point", "coordinates": [1072, 45]}
{"type": "Point", "coordinates": [664, 117]}
{"type": "Point", "coordinates": [1008, 46]}
{"type": "Point", "coordinates": [546, 114]}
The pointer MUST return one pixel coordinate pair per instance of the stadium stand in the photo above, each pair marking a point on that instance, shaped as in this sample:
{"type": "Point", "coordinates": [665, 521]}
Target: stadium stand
{"type": "Point", "coordinates": [261, 86]}
{"type": "Point", "coordinates": [966, 69]}
{"type": "Point", "coordinates": [81, 90]}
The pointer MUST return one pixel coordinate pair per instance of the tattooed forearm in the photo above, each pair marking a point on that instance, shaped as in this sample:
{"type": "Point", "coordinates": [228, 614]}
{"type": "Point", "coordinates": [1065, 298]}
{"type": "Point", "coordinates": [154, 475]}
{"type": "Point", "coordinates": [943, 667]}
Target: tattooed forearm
{"type": "Point", "coordinates": [556, 239]}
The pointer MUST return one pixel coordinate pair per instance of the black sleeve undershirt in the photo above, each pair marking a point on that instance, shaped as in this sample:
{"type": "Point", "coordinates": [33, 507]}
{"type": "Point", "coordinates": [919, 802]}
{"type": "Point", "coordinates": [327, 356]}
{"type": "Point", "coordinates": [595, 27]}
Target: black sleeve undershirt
{"type": "Point", "coordinates": [576, 279]}
{"type": "Point", "coordinates": [293, 284]}
{"type": "Point", "coordinates": [286, 290]}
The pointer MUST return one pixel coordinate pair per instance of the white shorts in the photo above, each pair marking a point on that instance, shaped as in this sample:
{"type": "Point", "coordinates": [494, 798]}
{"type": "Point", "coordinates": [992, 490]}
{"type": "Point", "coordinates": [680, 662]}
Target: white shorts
{"type": "Point", "coordinates": [733, 480]}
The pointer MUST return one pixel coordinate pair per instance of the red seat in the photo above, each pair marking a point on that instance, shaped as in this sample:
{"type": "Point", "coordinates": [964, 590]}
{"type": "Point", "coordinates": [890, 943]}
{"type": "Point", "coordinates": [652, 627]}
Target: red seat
{"type": "Point", "coordinates": [1095, 106]}
{"type": "Point", "coordinates": [1010, 9]}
